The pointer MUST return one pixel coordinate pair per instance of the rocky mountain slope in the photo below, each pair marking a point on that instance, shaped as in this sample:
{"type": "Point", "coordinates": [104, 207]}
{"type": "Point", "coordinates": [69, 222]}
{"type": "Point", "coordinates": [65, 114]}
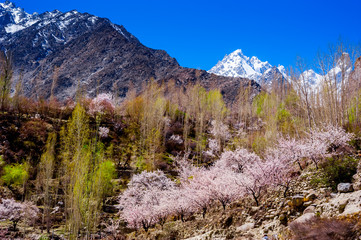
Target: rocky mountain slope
{"type": "Point", "coordinates": [58, 53]}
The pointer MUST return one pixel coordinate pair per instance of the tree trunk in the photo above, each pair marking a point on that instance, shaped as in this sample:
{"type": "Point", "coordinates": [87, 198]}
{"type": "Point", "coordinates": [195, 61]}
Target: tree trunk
{"type": "Point", "coordinates": [204, 212]}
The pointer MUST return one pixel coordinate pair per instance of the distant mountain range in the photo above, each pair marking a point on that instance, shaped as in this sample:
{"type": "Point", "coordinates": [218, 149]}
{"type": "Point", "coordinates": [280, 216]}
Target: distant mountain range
{"type": "Point", "coordinates": [236, 64]}
{"type": "Point", "coordinates": [58, 53]}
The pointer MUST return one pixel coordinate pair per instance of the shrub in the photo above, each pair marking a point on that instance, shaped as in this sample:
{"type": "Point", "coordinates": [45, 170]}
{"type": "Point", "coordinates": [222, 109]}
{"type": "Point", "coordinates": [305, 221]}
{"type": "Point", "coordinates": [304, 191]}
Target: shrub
{"type": "Point", "coordinates": [105, 173]}
{"type": "Point", "coordinates": [323, 229]}
{"type": "Point", "coordinates": [1, 161]}
{"type": "Point", "coordinates": [336, 170]}
{"type": "Point", "coordinates": [259, 144]}
{"type": "Point", "coordinates": [15, 175]}
{"type": "Point", "coordinates": [34, 131]}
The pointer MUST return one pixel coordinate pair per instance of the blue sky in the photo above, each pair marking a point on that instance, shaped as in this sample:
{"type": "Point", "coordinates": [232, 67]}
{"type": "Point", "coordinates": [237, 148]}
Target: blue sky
{"type": "Point", "coordinates": [199, 33]}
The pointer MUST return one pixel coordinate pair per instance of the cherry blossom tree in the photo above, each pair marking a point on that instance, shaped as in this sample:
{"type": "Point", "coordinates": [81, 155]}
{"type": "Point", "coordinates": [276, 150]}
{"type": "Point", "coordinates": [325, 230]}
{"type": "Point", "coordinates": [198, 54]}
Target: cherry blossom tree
{"type": "Point", "coordinates": [30, 212]}
{"type": "Point", "coordinates": [16, 211]}
{"type": "Point", "coordinates": [291, 150]}
{"type": "Point", "coordinates": [223, 184]}
{"type": "Point", "coordinates": [280, 169]}
{"type": "Point", "coordinates": [144, 193]}
{"type": "Point", "coordinates": [186, 170]}
{"type": "Point", "coordinates": [255, 179]}
{"type": "Point", "coordinates": [142, 184]}
{"type": "Point", "coordinates": [236, 160]}
{"type": "Point", "coordinates": [220, 132]}
{"type": "Point", "coordinates": [201, 199]}
{"type": "Point", "coordinates": [316, 150]}
{"type": "Point", "coordinates": [334, 136]}
{"type": "Point", "coordinates": [213, 148]}
{"type": "Point", "coordinates": [162, 210]}
{"type": "Point", "coordinates": [178, 202]}
{"type": "Point", "coordinates": [102, 104]}
{"type": "Point", "coordinates": [200, 191]}
{"type": "Point", "coordinates": [11, 210]}
{"type": "Point", "coordinates": [147, 180]}
{"type": "Point", "coordinates": [322, 143]}
{"type": "Point", "coordinates": [139, 216]}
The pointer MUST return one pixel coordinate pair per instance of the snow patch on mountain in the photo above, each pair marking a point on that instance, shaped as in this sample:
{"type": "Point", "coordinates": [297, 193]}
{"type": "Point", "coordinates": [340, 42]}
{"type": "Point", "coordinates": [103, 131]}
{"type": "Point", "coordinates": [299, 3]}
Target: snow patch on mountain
{"type": "Point", "coordinates": [119, 30]}
{"type": "Point", "coordinates": [13, 28]}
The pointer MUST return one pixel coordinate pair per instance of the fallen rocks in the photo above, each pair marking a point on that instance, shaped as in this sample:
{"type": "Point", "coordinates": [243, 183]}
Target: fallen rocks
{"type": "Point", "coordinates": [342, 205]}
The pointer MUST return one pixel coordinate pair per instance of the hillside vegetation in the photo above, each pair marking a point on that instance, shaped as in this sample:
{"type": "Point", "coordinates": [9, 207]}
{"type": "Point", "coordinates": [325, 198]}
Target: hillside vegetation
{"type": "Point", "coordinates": [177, 162]}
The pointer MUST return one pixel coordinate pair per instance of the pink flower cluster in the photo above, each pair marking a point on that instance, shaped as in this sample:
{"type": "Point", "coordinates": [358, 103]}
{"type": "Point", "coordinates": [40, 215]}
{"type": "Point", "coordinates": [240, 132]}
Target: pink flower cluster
{"type": "Point", "coordinates": [102, 104]}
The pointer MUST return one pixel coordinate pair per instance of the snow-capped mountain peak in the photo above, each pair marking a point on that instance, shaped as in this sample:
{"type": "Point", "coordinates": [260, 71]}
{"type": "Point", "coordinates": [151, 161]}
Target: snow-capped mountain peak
{"type": "Point", "coordinates": [52, 29]}
{"type": "Point", "coordinates": [342, 68]}
{"type": "Point", "coordinates": [310, 79]}
{"type": "Point", "coordinates": [259, 66]}
{"type": "Point", "coordinates": [236, 64]}
{"type": "Point", "coordinates": [282, 69]}
{"type": "Point", "coordinates": [7, 5]}
{"type": "Point", "coordinates": [14, 18]}
{"type": "Point", "coordinates": [237, 52]}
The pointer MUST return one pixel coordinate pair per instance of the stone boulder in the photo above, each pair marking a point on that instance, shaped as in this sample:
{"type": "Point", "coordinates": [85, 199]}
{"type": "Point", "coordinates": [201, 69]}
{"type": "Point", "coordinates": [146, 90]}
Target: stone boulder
{"type": "Point", "coordinates": [344, 187]}
{"type": "Point", "coordinates": [245, 227]}
{"type": "Point", "coordinates": [312, 195]}
{"type": "Point", "coordinates": [296, 201]}
{"type": "Point", "coordinates": [305, 218]}
{"type": "Point", "coordinates": [309, 209]}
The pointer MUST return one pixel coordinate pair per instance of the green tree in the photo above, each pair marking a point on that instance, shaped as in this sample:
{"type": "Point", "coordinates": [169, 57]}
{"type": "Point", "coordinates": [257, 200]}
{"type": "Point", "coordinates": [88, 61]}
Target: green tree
{"type": "Point", "coordinates": [86, 173]}
{"type": "Point", "coordinates": [45, 177]}
{"type": "Point", "coordinates": [76, 158]}
{"type": "Point", "coordinates": [15, 174]}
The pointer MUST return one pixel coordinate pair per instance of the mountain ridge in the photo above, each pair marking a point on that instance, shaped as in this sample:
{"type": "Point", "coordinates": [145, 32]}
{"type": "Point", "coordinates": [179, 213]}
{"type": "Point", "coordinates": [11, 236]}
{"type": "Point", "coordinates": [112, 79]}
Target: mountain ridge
{"type": "Point", "coordinates": [72, 50]}
{"type": "Point", "coordinates": [236, 64]}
